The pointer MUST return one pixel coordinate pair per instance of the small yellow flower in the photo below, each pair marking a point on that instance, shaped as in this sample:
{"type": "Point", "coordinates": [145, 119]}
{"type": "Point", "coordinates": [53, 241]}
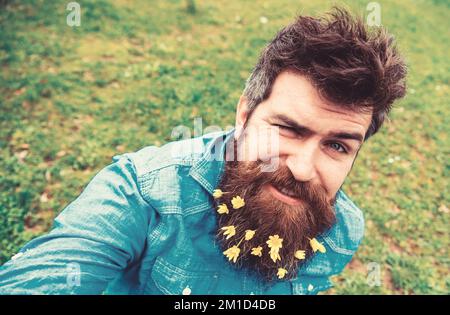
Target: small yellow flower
{"type": "Point", "coordinates": [317, 246]}
{"type": "Point", "coordinates": [274, 255]}
{"type": "Point", "coordinates": [217, 193]}
{"type": "Point", "coordinates": [237, 202]}
{"type": "Point", "coordinates": [300, 254]}
{"type": "Point", "coordinates": [222, 209]}
{"type": "Point", "coordinates": [257, 251]}
{"type": "Point", "coordinates": [281, 273]}
{"type": "Point", "coordinates": [229, 230]}
{"type": "Point", "coordinates": [275, 242]}
{"type": "Point", "coordinates": [232, 253]}
{"type": "Point", "coordinates": [249, 234]}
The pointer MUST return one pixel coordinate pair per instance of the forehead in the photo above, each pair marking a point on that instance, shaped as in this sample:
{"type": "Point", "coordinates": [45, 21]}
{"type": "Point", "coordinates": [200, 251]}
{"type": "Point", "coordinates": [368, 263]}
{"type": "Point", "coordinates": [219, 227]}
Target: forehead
{"type": "Point", "coordinates": [294, 96]}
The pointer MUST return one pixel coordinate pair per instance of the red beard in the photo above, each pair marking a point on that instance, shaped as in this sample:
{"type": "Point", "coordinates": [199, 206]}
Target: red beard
{"type": "Point", "coordinates": [295, 224]}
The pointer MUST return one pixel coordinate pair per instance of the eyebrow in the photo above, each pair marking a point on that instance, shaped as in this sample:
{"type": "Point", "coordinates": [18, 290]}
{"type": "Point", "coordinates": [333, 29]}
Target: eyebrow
{"type": "Point", "coordinates": [300, 129]}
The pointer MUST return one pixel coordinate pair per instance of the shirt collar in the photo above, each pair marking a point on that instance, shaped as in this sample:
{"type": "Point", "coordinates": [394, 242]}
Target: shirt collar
{"type": "Point", "coordinates": [208, 169]}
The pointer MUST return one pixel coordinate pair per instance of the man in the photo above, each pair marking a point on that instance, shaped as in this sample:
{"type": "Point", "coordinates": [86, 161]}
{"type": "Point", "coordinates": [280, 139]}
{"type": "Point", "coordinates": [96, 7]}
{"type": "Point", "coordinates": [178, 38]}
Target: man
{"type": "Point", "coordinates": [242, 211]}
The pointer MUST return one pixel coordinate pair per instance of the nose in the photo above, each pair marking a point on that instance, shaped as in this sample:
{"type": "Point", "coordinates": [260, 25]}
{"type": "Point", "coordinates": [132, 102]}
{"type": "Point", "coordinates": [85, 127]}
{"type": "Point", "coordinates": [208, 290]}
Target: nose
{"type": "Point", "coordinates": [302, 164]}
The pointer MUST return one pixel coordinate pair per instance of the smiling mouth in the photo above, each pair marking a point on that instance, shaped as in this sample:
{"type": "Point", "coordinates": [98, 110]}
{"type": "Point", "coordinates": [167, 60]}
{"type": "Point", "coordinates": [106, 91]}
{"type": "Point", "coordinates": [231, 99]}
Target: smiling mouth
{"type": "Point", "coordinates": [284, 195]}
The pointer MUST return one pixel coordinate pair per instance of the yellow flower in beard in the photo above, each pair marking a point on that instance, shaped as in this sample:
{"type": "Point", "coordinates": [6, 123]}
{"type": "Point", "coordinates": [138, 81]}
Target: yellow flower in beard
{"type": "Point", "coordinates": [217, 193]}
{"type": "Point", "coordinates": [274, 255]}
{"type": "Point", "coordinates": [275, 243]}
{"type": "Point", "coordinates": [281, 273]}
{"type": "Point", "coordinates": [300, 254]}
{"type": "Point", "coordinates": [229, 230]}
{"type": "Point", "coordinates": [317, 246]}
{"type": "Point", "coordinates": [257, 251]}
{"type": "Point", "coordinates": [222, 209]}
{"type": "Point", "coordinates": [237, 202]}
{"type": "Point", "coordinates": [249, 234]}
{"type": "Point", "coordinates": [232, 253]}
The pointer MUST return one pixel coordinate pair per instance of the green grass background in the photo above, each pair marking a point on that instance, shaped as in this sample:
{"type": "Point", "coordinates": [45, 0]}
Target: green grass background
{"type": "Point", "coordinates": [72, 97]}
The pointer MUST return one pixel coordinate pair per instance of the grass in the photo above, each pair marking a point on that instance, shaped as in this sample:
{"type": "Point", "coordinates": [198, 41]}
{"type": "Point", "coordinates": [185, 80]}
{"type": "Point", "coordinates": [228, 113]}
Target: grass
{"type": "Point", "coordinates": [71, 98]}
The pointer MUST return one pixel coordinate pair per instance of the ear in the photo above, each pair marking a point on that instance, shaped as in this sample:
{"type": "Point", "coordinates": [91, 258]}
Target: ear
{"type": "Point", "coordinates": [241, 115]}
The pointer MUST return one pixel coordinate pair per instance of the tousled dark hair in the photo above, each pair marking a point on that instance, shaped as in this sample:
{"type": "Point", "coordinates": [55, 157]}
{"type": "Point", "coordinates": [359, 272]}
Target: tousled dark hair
{"type": "Point", "coordinates": [348, 64]}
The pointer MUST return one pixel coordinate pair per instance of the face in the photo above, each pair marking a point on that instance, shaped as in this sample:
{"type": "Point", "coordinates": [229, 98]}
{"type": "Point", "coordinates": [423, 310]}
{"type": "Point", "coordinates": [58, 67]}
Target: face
{"type": "Point", "coordinates": [317, 142]}
{"type": "Point", "coordinates": [315, 146]}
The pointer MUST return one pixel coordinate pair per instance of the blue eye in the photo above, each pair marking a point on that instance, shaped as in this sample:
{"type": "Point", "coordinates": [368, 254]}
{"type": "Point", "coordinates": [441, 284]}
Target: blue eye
{"type": "Point", "coordinates": [338, 147]}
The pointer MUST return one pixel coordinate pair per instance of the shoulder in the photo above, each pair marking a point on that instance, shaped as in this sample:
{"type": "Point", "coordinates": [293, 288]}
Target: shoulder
{"type": "Point", "coordinates": [183, 152]}
{"type": "Point", "coordinates": [163, 174]}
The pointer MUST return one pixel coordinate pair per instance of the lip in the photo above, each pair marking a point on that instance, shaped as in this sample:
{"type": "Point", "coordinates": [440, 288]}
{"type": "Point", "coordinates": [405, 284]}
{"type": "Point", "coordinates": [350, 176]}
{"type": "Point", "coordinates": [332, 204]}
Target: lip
{"type": "Point", "coordinates": [282, 197]}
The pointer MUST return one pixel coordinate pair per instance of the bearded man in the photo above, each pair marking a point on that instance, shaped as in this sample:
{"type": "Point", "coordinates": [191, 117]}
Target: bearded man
{"type": "Point", "coordinates": [257, 209]}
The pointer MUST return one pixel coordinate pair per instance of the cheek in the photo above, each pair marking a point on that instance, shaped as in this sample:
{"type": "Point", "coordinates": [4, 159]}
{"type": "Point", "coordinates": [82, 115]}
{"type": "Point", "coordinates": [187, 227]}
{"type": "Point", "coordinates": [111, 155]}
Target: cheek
{"type": "Point", "coordinates": [332, 175]}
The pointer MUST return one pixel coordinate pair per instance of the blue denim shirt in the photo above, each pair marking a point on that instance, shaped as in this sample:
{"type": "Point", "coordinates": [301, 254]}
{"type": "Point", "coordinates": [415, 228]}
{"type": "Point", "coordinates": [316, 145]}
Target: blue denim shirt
{"type": "Point", "coordinates": [146, 224]}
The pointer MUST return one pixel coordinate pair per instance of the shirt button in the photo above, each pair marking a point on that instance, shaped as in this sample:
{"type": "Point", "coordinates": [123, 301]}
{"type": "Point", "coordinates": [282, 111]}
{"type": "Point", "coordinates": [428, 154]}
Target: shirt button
{"type": "Point", "coordinates": [310, 287]}
{"type": "Point", "coordinates": [187, 291]}
{"type": "Point", "coordinates": [251, 293]}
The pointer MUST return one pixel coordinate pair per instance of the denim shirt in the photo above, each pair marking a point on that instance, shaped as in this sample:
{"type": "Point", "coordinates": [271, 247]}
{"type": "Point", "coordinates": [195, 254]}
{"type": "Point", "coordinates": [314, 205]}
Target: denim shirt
{"type": "Point", "coordinates": [146, 223]}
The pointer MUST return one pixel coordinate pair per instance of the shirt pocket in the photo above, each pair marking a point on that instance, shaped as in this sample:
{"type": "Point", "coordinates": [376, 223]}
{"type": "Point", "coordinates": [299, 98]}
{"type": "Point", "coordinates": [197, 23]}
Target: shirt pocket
{"type": "Point", "coordinates": [308, 285]}
{"type": "Point", "coordinates": [174, 280]}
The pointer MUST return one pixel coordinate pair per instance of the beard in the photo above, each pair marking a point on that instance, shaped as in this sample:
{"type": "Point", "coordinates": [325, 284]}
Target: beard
{"type": "Point", "coordinates": [267, 216]}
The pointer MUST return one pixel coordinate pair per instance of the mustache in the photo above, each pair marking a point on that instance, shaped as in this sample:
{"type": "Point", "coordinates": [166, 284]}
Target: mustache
{"type": "Point", "coordinates": [282, 178]}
